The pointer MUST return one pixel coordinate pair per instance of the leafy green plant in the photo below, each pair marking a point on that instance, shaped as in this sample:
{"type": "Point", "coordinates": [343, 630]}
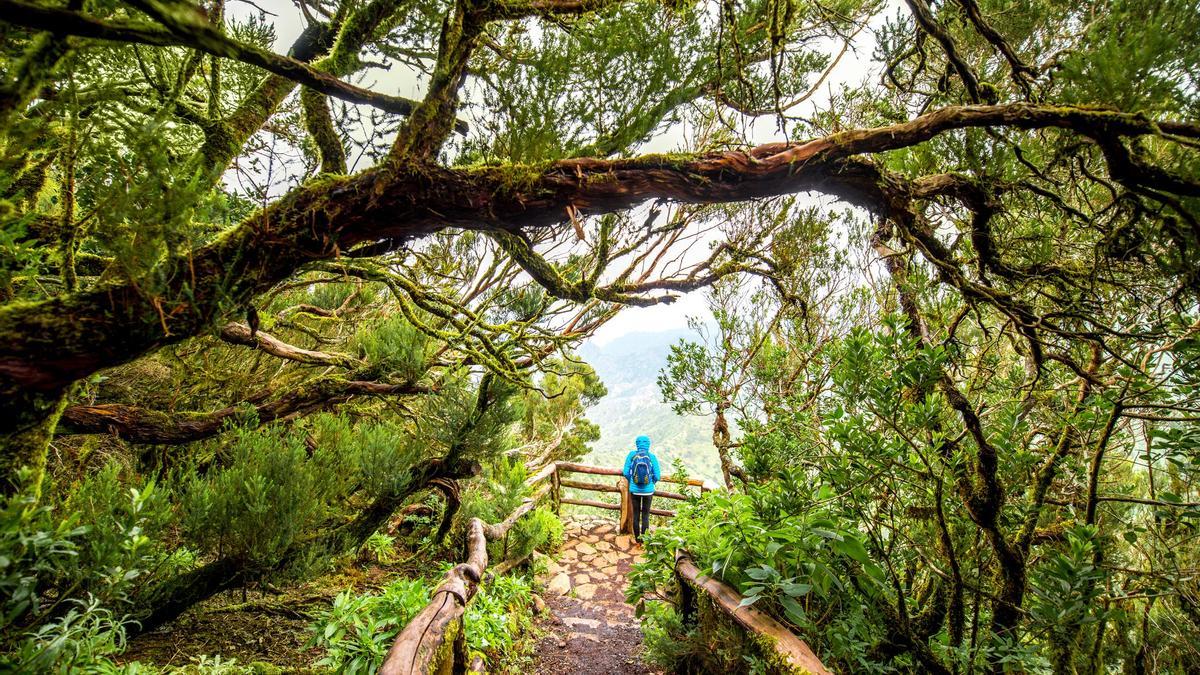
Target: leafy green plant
{"type": "Point", "coordinates": [358, 630]}
{"type": "Point", "coordinates": [382, 547]}
{"type": "Point", "coordinates": [539, 529]}
{"type": "Point", "coordinates": [499, 619]}
{"type": "Point", "coordinates": [80, 641]}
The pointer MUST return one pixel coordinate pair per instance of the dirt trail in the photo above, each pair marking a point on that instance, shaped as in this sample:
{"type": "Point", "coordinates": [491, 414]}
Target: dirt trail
{"type": "Point", "coordinates": [589, 627]}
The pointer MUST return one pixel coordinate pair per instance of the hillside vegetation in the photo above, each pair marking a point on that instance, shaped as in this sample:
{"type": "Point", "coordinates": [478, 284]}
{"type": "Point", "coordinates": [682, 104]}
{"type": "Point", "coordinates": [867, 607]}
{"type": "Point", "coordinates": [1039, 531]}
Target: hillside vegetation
{"type": "Point", "coordinates": [629, 367]}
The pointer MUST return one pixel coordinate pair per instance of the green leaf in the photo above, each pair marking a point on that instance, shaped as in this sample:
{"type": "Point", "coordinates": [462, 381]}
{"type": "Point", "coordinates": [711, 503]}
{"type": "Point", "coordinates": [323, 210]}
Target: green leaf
{"type": "Point", "coordinates": [852, 548]}
{"type": "Point", "coordinates": [793, 609]}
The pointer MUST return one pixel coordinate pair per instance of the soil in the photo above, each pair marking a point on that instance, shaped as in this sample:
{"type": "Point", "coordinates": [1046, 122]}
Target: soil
{"type": "Point", "coordinates": [589, 628]}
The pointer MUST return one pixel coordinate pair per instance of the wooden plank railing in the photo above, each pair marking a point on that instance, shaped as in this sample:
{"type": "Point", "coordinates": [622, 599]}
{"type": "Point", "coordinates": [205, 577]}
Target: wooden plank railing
{"type": "Point", "coordinates": [433, 641]}
{"type": "Point", "coordinates": [621, 487]}
{"type": "Point", "coordinates": [792, 651]}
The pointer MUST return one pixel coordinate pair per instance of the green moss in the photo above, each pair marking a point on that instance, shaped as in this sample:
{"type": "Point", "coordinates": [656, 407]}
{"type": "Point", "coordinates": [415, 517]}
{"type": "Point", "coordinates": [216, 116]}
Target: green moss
{"type": "Point", "coordinates": [28, 428]}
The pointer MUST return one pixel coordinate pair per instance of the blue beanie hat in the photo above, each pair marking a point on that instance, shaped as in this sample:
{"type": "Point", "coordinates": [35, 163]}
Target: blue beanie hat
{"type": "Point", "coordinates": [642, 442]}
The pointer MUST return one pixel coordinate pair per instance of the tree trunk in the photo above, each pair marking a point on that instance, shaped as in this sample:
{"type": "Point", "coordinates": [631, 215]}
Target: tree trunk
{"type": "Point", "coordinates": [26, 429]}
{"type": "Point", "coordinates": [720, 436]}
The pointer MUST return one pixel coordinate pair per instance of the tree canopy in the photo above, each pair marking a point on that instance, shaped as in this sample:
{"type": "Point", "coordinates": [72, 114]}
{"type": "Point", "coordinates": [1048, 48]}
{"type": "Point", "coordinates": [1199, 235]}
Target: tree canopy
{"type": "Point", "coordinates": [956, 282]}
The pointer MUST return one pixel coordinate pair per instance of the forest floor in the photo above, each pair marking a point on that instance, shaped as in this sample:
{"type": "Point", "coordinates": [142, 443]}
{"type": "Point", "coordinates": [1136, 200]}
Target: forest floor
{"type": "Point", "coordinates": [589, 628]}
{"type": "Point", "coordinates": [267, 628]}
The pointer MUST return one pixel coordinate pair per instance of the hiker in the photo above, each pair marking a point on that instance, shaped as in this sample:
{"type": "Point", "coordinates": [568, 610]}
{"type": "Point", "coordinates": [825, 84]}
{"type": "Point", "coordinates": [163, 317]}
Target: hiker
{"type": "Point", "coordinates": [641, 470]}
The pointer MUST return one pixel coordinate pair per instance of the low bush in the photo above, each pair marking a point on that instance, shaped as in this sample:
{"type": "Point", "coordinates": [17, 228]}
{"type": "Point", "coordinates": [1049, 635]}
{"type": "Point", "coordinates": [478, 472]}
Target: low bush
{"type": "Point", "coordinates": [358, 630]}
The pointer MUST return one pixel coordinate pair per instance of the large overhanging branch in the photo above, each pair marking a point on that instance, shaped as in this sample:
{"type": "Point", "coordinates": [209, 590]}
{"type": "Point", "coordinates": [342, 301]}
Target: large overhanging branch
{"type": "Point", "coordinates": [50, 343]}
{"type": "Point", "coordinates": [204, 38]}
{"type": "Point", "coordinates": [142, 425]}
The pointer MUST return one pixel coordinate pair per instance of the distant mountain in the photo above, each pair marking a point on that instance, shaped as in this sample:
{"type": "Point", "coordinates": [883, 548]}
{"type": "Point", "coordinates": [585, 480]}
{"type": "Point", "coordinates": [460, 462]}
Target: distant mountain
{"type": "Point", "coordinates": [629, 367]}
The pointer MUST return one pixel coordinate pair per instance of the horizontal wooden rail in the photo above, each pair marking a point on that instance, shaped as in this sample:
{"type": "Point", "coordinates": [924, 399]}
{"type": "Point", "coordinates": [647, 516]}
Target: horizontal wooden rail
{"type": "Point", "coordinates": [584, 485]}
{"type": "Point", "coordinates": [593, 503]}
{"type": "Point", "coordinates": [795, 652]}
{"type": "Point", "coordinates": [671, 495]}
{"type": "Point", "coordinates": [584, 468]}
{"type": "Point", "coordinates": [545, 472]}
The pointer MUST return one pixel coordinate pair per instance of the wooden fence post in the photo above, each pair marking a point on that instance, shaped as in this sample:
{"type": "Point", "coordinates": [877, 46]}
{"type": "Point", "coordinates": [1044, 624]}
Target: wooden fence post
{"type": "Point", "coordinates": [626, 525]}
{"type": "Point", "coordinates": [555, 492]}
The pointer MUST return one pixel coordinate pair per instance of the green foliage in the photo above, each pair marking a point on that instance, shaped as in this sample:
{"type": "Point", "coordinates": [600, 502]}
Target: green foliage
{"type": "Point", "coordinates": [780, 548]}
{"type": "Point", "coordinates": [385, 456]}
{"type": "Point", "coordinates": [35, 548]}
{"type": "Point", "coordinates": [499, 620]}
{"type": "Point", "coordinates": [80, 641]}
{"type": "Point", "coordinates": [358, 630]}
{"type": "Point", "coordinates": [254, 508]}
{"type": "Point", "coordinates": [120, 551]}
{"type": "Point", "coordinates": [500, 490]}
{"type": "Point", "coordinates": [382, 547]}
{"type": "Point", "coordinates": [395, 348]}
{"type": "Point", "coordinates": [70, 574]}
{"type": "Point", "coordinates": [539, 529]}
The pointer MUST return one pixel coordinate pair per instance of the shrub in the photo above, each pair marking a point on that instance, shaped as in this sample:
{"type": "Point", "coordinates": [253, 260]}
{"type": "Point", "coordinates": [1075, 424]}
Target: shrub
{"type": "Point", "coordinates": [254, 507]}
{"type": "Point", "coordinates": [498, 621]}
{"type": "Point", "coordinates": [358, 630]}
{"type": "Point", "coordinates": [539, 529]}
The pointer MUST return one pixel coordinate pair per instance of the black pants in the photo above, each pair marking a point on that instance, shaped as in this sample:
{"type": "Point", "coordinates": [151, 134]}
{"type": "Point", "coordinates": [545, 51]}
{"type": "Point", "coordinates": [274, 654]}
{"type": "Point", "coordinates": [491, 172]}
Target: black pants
{"type": "Point", "coordinates": [641, 515]}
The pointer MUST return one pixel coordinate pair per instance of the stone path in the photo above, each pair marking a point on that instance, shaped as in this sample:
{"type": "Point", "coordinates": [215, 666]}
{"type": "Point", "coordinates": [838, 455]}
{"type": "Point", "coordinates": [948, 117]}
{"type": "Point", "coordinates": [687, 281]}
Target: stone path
{"type": "Point", "coordinates": [588, 627]}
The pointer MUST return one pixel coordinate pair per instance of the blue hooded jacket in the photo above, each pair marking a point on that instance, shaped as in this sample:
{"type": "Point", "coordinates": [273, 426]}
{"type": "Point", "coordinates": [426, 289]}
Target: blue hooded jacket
{"type": "Point", "coordinates": [642, 443]}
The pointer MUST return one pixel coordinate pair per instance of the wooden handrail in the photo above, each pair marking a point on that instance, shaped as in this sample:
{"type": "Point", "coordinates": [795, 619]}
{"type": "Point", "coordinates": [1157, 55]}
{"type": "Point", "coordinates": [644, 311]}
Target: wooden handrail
{"type": "Point", "coordinates": [583, 485]}
{"type": "Point", "coordinates": [584, 468]}
{"type": "Point", "coordinates": [420, 647]}
{"type": "Point", "coordinates": [433, 641]}
{"type": "Point", "coordinates": [791, 649]}
{"type": "Point", "coordinates": [592, 503]}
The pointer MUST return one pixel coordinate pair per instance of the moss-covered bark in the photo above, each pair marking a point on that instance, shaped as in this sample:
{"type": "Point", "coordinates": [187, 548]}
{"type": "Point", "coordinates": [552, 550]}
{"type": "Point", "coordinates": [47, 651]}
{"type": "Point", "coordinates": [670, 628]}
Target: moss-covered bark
{"type": "Point", "coordinates": [30, 419]}
{"type": "Point", "coordinates": [319, 124]}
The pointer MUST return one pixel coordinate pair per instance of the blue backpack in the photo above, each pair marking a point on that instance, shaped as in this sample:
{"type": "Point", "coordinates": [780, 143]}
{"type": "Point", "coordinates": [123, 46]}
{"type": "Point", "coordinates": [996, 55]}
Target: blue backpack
{"type": "Point", "coordinates": [641, 469]}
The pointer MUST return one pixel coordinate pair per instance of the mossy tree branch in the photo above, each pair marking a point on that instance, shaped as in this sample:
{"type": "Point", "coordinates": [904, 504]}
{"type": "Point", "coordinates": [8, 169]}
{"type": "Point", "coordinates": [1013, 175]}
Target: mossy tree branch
{"type": "Point", "coordinates": [141, 425]}
{"type": "Point", "coordinates": [48, 344]}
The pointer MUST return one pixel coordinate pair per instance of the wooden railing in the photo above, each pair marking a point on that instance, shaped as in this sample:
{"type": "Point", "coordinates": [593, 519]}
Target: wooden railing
{"type": "Point", "coordinates": [433, 641]}
{"type": "Point", "coordinates": [620, 486]}
{"type": "Point", "coordinates": [792, 652]}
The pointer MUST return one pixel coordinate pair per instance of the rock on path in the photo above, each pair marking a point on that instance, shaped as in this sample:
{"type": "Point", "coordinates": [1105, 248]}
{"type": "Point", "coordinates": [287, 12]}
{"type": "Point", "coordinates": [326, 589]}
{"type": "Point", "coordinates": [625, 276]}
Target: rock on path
{"type": "Point", "coordinates": [589, 628]}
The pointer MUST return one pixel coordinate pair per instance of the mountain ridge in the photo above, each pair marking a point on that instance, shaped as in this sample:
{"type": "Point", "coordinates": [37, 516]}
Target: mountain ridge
{"type": "Point", "coordinates": [629, 367]}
